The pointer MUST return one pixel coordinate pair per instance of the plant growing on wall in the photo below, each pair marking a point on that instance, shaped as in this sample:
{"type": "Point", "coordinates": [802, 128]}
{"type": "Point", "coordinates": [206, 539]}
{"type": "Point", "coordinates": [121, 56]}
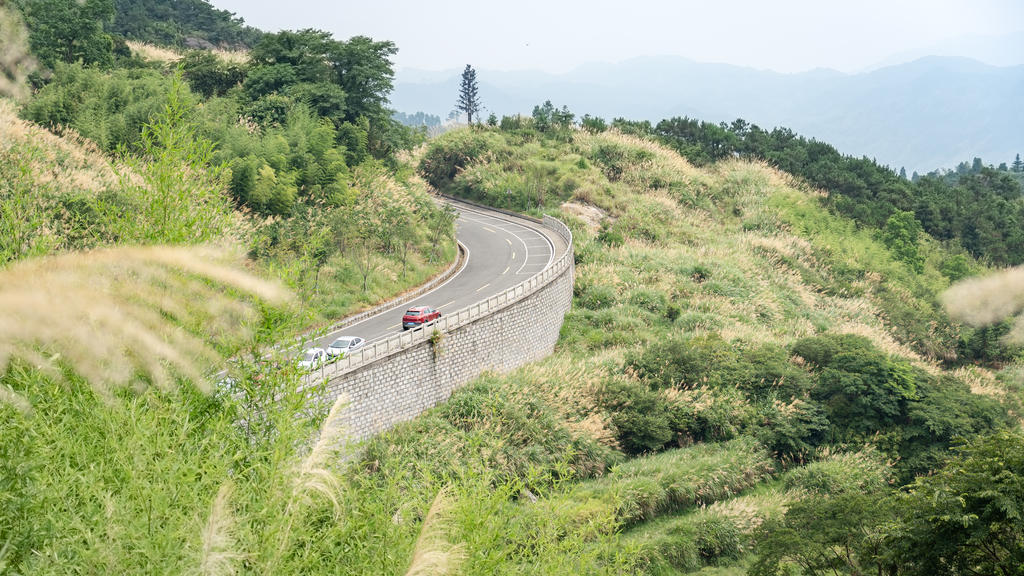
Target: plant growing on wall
{"type": "Point", "coordinates": [435, 339]}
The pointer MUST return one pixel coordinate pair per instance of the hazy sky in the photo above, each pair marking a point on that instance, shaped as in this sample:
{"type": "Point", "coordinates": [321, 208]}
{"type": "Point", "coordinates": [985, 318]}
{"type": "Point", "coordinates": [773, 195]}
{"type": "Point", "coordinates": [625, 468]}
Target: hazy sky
{"type": "Point", "coordinates": [781, 35]}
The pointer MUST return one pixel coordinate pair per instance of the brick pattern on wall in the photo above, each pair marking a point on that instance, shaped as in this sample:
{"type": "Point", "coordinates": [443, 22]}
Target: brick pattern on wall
{"type": "Point", "coordinates": [395, 379]}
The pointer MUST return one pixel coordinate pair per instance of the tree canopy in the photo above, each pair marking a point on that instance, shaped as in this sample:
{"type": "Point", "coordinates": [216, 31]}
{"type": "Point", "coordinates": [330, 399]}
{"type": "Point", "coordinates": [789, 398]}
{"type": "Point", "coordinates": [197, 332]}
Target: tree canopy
{"type": "Point", "coordinates": [191, 23]}
{"type": "Point", "coordinates": [469, 97]}
{"type": "Point", "coordinates": [69, 30]}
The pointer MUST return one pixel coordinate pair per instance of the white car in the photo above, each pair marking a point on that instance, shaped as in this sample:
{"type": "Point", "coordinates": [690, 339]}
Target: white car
{"type": "Point", "coordinates": [312, 358]}
{"type": "Point", "coordinates": [344, 345]}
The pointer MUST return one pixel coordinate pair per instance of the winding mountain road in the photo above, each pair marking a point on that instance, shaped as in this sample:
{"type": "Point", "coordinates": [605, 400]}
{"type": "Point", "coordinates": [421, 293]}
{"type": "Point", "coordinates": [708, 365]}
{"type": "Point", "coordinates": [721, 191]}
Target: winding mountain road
{"type": "Point", "coordinates": [502, 251]}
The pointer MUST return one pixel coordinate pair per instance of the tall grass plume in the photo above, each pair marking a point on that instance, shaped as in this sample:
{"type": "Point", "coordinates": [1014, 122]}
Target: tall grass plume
{"type": "Point", "coordinates": [433, 554]}
{"type": "Point", "coordinates": [314, 475]}
{"type": "Point", "coordinates": [219, 553]}
{"type": "Point", "coordinates": [16, 61]}
{"type": "Point", "coordinates": [991, 299]}
{"type": "Point", "coordinates": [112, 315]}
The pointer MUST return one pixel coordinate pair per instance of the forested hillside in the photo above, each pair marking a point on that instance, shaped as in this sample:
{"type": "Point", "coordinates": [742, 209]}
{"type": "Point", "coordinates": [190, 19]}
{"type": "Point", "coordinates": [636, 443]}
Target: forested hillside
{"type": "Point", "coordinates": [769, 367]}
{"type": "Point", "coordinates": [979, 210]}
{"type": "Point", "coordinates": [182, 23]}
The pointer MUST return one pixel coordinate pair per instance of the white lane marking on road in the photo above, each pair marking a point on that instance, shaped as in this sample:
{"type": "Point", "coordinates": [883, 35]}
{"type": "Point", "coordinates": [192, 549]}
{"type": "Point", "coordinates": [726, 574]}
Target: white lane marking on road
{"type": "Point", "coordinates": [536, 234]}
{"type": "Point", "coordinates": [507, 268]}
{"type": "Point", "coordinates": [482, 287]}
{"type": "Point", "coordinates": [488, 229]}
{"type": "Point", "coordinates": [507, 240]}
{"type": "Point", "coordinates": [513, 254]}
{"type": "Point", "coordinates": [448, 304]}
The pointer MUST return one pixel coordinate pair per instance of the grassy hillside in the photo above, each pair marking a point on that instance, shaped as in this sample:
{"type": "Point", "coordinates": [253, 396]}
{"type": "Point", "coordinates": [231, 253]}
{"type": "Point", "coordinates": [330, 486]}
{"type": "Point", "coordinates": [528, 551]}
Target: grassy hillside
{"type": "Point", "coordinates": [734, 350]}
{"type": "Point", "coordinates": [734, 353]}
{"type": "Point", "coordinates": [745, 383]}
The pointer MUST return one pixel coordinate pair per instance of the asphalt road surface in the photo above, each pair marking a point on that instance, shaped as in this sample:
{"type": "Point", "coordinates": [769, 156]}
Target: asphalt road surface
{"type": "Point", "coordinates": [502, 252]}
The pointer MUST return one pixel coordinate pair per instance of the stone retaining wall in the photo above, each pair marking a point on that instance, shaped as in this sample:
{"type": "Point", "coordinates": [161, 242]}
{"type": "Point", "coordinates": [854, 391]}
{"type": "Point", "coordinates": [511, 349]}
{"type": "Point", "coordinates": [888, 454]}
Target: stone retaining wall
{"type": "Point", "coordinates": [397, 378]}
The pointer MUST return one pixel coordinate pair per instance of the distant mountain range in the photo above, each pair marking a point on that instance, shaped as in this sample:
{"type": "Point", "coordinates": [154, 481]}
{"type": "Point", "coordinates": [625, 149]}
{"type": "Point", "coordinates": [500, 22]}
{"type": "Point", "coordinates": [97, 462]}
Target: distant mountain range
{"type": "Point", "coordinates": [930, 113]}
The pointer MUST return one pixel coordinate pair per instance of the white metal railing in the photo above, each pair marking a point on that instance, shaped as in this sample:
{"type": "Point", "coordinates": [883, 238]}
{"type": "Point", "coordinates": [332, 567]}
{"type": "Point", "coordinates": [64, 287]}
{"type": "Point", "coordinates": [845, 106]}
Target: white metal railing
{"type": "Point", "coordinates": [461, 317]}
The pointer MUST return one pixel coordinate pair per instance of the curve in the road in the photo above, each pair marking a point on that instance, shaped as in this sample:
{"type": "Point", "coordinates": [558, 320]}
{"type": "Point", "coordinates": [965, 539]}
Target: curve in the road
{"type": "Point", "coordinates": [501, 251]}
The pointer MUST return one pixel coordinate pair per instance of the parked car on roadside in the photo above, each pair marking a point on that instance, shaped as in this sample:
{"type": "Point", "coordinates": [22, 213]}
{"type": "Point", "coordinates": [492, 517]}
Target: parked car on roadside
{"type": "Point", "coordinates": [312, 358]}
{"type": "Point", "coordinates": [418, 316]}
{"type": "Point", "coordinates": [344, 345]}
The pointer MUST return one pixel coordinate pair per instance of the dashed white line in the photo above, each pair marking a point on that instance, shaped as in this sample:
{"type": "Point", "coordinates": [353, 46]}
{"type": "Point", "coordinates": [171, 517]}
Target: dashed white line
{"type": "Point", "coordinates": [482, 287]}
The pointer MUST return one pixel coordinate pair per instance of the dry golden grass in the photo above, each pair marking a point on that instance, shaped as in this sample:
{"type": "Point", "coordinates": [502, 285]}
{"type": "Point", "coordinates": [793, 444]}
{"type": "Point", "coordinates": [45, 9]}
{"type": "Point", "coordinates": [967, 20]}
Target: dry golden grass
{"type": "Point", "coordinates": [570, 386]}
{"type": "Point", "coordinates": [153, 53]}
{"type": "Point", "coordinates": [591, 216]}
{"type": "Point", "coordinates": [232, 56]}
{"type": "Point", "coordinates": [65, 162]}
{"type": "Point", "coordinates": [433, 554]}
{"type": "Point", "coordinates": [170, 55]}
{"type": "Point", "coordinates": [315, 475]}
{"type": "Point", "coordinates": [113, 315]}
{"type": "Point", "coordinates": [759, 292]}
{"type": "Point", "coordinates": [981, 381]}
{"type": "Point", "coordinates": [749, 512]}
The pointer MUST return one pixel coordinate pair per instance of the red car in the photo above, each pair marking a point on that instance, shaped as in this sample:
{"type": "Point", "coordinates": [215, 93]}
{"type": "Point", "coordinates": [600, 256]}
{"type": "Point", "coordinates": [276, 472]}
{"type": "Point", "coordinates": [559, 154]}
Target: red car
{"type": "Point", "coordinates": [419, 315]}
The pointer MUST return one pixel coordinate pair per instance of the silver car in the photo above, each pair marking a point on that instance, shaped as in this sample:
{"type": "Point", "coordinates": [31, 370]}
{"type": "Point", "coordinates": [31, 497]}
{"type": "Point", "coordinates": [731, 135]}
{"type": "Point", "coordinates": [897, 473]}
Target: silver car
{"type": "Point", "coordinates": [344, 345]}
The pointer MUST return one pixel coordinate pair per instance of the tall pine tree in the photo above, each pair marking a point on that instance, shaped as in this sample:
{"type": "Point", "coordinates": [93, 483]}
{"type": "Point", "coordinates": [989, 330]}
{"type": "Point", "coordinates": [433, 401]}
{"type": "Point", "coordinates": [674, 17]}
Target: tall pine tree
{"type": "Point", "coordinates": [469, 99]}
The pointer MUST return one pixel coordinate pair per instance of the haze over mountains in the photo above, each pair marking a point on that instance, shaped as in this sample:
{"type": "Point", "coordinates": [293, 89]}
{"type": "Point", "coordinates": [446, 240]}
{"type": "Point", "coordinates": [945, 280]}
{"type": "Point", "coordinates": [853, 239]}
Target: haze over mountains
{"type": "Point", "coordinates": [930, 113]}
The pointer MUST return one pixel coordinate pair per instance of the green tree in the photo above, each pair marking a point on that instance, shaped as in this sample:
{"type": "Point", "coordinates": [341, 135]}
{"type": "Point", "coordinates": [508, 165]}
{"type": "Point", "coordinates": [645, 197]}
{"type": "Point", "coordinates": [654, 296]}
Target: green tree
{"type": "Point", "coordinates": [69, 30]}
{"type": "Point", "coordinates": [441, 224]}
{"type": "Point", "coordinates": [828, 535]}
{"type": "Point", "coordinates": [955, 267]}
{"type": "Point", "coordinates": [641, 416]}
{"type": "Point", "coordinates": [862, 389]}
{"type": "Point", "coordinates": [344, 81]}
{"type": "Point", "coordinates": [109, 108]}
{"type": "Point", "coordinates": [901, 235]}
{"type": "Point", "coordinates": [593, 124]}
{"type": "Point", "coordinates": [469, 97]}
{"type": "Point", "coordinates": [1018, 165]}
{"type": "Point", "coordinates": [305, 52]}
{"type": "Point", "coordinates": [325, 100]}
{"type": "Point", "coordinates": [366, 74]}
{"type": "Point", "coordinates": [543, 116]}
{"type": "Point", "coordinates": [206, 74]}
{"type": "Point", "coordinates": [701, 142]}
{"type": "Point", "coordinates": [969, 517]}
